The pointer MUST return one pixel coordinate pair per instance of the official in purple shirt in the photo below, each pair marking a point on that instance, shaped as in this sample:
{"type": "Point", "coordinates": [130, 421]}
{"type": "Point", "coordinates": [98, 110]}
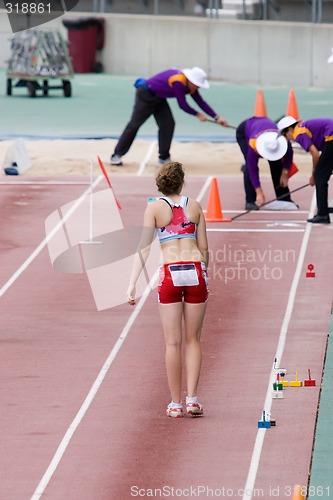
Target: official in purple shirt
{"type": "Point", "coordinates": [151, 99]}
{"type": "Point", "coordinates": [257, 138]}
{"type": "Point", "coordinates": [316, 137]}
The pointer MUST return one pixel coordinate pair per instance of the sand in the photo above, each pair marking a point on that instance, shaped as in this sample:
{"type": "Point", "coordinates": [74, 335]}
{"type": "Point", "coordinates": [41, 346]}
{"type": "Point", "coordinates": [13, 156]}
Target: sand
{"type": "Point", "coordinates": [63, 158]}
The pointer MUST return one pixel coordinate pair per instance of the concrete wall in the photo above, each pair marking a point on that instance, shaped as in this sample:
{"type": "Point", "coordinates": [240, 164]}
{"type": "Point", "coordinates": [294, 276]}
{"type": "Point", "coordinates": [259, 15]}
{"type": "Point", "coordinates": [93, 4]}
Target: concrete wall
{"type": "Point", "coordinates": [258, 52]}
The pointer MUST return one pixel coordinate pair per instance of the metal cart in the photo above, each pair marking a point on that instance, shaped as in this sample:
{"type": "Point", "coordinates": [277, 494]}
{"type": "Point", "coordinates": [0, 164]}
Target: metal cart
{"type": "Point", "coordinates": [37, 58]}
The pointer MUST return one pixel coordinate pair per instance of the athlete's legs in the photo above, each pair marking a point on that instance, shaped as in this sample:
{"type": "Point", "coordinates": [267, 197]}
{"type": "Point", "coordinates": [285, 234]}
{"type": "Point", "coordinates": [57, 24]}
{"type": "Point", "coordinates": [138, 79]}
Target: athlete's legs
{"type": "Point", "coordinates": [193, 316]}
{"type": "Point", "coordinates": [171, 317]}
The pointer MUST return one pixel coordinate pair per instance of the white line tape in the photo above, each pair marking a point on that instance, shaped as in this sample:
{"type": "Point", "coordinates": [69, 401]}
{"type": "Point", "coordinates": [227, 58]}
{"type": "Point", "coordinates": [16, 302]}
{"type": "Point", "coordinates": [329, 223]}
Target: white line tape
{"type": "Point", "coordinates": [146, 158]}
{"type": "Point", "coordinates": [263, 230]}
{"type": "Point", "coordinates": [44, 183]}
{"type": "Point", "coordinates": [275, 212]}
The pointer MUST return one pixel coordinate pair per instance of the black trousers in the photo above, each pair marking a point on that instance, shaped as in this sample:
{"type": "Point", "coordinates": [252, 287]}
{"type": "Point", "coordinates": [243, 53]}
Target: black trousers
{"type": "Point", "coordinates": [147, 104]}
{"type": "Point", "coordinates": [322, 175]}
{"type": "Point", "coordinates": [275, 168]}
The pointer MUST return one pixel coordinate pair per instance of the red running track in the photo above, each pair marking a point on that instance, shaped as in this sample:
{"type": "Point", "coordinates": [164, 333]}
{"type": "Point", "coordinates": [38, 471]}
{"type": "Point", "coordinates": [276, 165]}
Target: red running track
{"type": "Point", "coordinates": [121, 445]}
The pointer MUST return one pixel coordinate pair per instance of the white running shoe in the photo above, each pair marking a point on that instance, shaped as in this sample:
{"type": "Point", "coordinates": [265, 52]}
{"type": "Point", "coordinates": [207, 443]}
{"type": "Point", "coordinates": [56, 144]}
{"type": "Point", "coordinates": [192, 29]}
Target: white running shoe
{"type": "Point", "coordinates": [194, 409]}
{"type": "Point", "coordinates": [174, 411]}
{"type": "Point", "coordinates": [163, 162]}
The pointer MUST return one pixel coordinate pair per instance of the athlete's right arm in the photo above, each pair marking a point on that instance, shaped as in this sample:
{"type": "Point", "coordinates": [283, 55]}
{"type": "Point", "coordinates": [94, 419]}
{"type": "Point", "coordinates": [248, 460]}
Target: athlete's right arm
{"type": "Point", "coordinates": [142, 253]}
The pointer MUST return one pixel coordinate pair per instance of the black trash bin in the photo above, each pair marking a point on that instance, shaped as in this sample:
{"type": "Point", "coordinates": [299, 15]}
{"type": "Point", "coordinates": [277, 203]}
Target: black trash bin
{"type": "Point", "coordinates": [85, 37]}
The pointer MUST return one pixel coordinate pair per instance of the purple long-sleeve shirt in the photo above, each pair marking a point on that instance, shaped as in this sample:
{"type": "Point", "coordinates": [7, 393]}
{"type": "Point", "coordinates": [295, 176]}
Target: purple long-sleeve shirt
{"type": "Point", "coordinates": [253, 128]}
{"type": "Point", "coordinates": [315, 131]}
{"type": "Point", "coordinates": [173, 83]}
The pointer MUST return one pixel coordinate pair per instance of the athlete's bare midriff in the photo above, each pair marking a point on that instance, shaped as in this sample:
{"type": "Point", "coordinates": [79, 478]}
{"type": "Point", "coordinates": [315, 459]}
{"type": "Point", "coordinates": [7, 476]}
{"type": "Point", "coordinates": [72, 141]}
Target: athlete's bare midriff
{"type": "Point", "coordinates": [181, 250]}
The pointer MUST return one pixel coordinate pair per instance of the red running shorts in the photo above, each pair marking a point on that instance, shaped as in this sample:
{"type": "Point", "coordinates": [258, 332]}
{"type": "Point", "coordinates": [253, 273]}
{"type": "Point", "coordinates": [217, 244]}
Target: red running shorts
{"type": "Point", "coordinates": [183, 281]}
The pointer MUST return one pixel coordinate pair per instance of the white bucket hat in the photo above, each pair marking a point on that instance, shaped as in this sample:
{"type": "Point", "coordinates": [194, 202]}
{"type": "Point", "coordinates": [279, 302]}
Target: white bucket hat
{"type": "Point", "coordinates": [271, 146]}
{"type": "Point", "coordinates": [286, 122]}
{"type": "Point", "coordinates": [197, 76]}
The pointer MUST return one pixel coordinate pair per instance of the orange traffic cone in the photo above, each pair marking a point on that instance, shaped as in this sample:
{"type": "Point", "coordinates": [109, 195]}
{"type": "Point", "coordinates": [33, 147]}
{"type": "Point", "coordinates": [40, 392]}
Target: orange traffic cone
{"type": "Point", "coordinates": [260, 106]}
{"type": "Point", "coordinates": [297, 494]}
{"type": "Point", "coordinates": [214, 212]}
{"type": "Point", "coordinates": [292, 106]}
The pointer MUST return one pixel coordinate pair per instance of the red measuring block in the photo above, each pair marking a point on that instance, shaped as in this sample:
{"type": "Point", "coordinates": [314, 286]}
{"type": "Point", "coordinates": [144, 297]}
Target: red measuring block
{"type": "Point", "coordinates": [310, 382]}
{"type": "Point", "coordinates": [310, 273]}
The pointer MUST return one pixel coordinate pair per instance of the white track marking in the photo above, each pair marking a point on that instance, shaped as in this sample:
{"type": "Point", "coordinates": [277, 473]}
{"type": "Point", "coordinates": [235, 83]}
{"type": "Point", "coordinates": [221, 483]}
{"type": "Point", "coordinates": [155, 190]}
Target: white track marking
{"type": "Point", "coordinates": [249, 230]}
{"type": "Point", "coordinates": [44, 183]}
{"type": "Point", "coordinates": [258, 445]}
{"type": "Point", "coordinates": [91, 394]}
{"type": "Point", "coordinates": [204, 189]}
{"type": "Point", "coordinates": [275, 221]}
{"type": "Point", "coordinates": [275, 212]}
{"type": "Point", "coordinates": [45, 241]}
{"type": "Point", "coordinates": [146, 159]}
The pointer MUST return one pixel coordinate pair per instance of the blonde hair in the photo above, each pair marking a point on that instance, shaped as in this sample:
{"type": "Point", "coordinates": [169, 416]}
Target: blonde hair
{"type": "Point", "coordinates": [170, 178]}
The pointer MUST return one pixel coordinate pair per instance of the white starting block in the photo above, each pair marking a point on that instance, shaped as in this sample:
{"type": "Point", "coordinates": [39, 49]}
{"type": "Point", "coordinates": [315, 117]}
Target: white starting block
{"type": "Point", "coordinates": [277, 394]}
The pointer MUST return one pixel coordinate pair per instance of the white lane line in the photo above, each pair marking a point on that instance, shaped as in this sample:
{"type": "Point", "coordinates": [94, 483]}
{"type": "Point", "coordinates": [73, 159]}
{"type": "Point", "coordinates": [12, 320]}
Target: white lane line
{"type": "Point", "coordinates": [44, 183]}
{"type": "Point", "coordinates": [45, 241]}
{"type": "Point", "coordinates": [273, 221]}
{"type": "Point", "coordinates": [91, 394]}
{"type": "Point", "coordinates": [146, 159]}
{"type": "Point", "coordinates": [249, 230]}
{"type": "Point", "coordinates": [258, 445]}
{"type": "Point", "coordinates": [96, 385]}
{"type": "Point", "coordinates": [204, 189]}
{"type": "Point", "coordinates": [275, 212]}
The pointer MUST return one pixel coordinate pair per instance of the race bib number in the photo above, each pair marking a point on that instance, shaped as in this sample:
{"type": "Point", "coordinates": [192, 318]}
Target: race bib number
{"type": "Point", "coordinates": [184, 275]}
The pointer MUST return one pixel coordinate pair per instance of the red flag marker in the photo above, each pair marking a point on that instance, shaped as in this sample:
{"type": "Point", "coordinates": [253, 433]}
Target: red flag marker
{"type": "Point", "coordinates": [107, 179]}
{"type": "Point", "coordinates": [293, 170]}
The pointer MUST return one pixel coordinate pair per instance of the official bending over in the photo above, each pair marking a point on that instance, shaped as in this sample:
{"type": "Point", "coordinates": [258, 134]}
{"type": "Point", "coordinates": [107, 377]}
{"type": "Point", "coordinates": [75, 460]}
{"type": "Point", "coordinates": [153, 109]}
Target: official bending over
{"type": "Point", "coordinates": [151, 99]}
{"type": "Point", "coordinates": [316, 137]}
{"type": "Point", "coordinates": [258, 137]}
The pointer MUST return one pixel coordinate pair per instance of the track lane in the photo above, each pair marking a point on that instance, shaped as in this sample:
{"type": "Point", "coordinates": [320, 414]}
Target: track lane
{"type": "Point", "coordinates": [119, 445]}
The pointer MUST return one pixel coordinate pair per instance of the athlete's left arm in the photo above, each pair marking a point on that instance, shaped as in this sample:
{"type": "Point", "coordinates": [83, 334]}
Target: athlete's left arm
{"type": "Point", "coordinates": [202, 240]}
